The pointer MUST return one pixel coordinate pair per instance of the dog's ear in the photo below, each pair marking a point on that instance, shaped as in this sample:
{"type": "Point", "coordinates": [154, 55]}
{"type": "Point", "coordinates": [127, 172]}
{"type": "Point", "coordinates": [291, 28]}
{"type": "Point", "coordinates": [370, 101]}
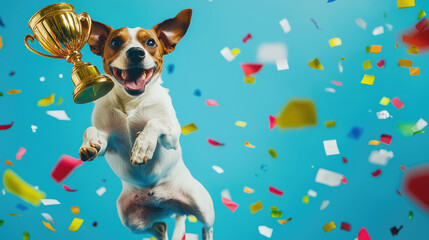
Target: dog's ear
{"type": "Point", "coordinates": [172, 30]}
{"type": "Point", "coordinates": [98, 37]}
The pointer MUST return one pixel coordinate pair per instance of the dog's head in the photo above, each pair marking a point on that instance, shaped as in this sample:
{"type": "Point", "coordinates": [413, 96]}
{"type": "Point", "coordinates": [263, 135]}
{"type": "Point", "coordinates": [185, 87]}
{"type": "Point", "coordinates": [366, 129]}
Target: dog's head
{"type": "Point", "coordinates": [133, 56]}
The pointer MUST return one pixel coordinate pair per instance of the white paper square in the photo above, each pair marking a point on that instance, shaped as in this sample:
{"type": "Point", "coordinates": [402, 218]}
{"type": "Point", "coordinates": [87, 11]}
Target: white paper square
{"type": "Point", "coordinates": [421, 123]}
{"type": "Point", "coordinates": [48, 202]}
{"type": "Point", "coordinates": [265, 231]}
{"type": "Point", "coordinates": [312, 193]}
{"type": "Point", "coordinates": [282, 64]}
{"type": "Point", "coordinates": [361, 23]}
{"type": "Point", "coordinates": [101, 191]}
{"type": "Point", "coordinates": [378, 30]}
{"type": "Point", "coordinates": [380, 157]}
{"type": "Point", "coordinates": [227, 54]}
{"type": "Point", "coordinates": [329, 178]}
{"type": "Point", "coordinates": [331, 147]}
{"type": "Point", "coordinates": [284, 23]}
{"type": "Point", "coordinates": [59, 114]}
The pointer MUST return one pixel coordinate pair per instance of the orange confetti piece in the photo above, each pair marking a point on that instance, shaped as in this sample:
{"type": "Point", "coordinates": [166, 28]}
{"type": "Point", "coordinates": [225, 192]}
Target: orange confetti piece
{"type": "Point", "coordinates": [284, 221]}
{"type": "Point", "coordinates": [375, 49]}
{"type": "Point", "coordinates": [16, 215]}
{"type": "Point", "coordinates": [414, 71]}
{"type": "Point", "coordinates": [248, 190]}
{"type": "Point", "coordinates": [374, 142]}
{"type": "Point", "coordinates": [75, 210]}
{"type": "Point", "coordinates": [405, 63]}
{"type": "Point", "coordinates": [49, 226]}
{"type": "Point", "coordinates": [1, 43]}
{"type": "Point", "coordinates": [8, 163]}
{"type": "Point", "coordinates": [247, 144]}
{"type": "Point", "coordinates": [13, 91]}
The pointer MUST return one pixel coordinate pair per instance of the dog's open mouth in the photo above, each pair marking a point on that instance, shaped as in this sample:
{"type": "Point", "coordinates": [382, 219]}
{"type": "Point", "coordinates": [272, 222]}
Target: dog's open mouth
{"type": "Point", "coordinates": [134, 79]}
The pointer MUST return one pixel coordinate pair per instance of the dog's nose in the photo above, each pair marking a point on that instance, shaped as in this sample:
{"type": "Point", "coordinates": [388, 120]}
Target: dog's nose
{"type": "Point", "coordinates": [135, 54]}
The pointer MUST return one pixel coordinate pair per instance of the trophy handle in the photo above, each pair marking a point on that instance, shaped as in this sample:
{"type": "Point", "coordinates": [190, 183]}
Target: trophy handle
{"type": "Point", "coordinates": [31, 38]}
{"type": "Point", "coordinates": [85, 16]}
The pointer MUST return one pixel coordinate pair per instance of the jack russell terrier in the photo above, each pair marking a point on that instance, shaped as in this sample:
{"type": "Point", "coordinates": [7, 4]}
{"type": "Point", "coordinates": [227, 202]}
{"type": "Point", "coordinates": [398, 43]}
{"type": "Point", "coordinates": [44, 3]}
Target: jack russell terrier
{"type": "Point", "coordinates": [135, 127]}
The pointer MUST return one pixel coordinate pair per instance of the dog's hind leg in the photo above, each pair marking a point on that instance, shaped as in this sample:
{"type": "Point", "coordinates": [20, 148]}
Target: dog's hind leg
{"type": "Point", "coordinates": [179, 227]}
{"type": "Point", "coordinates": [159, 230]}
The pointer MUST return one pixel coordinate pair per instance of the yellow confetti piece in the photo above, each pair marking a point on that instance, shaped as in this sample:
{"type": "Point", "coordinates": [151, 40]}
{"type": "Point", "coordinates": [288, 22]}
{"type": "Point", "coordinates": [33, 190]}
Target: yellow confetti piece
{"type": "Point", "coordinates": [374, 142]}
{"type": "Point", "coordinates": [46, 101]}
{"type": "Point", "coordinates": [249, 79]}
{"type": "Point", "coordinates": [335, 42]}
{"type": "Point", "coordinates": [413, 49]}
{"type": "Point", "coordinates": [235, 51]}
{"type": "Point", "coordinates": [13, 91]}
{"type": "Point", "coordinates": [60, 100]}
{"type": "Point", "coordinates": [297, 113]}
{"type": "Point", "coordinates": [405, 3]}
{"type": "Point", "coordinates": [367, 65]}
{"type": "Point", "coordinates": [384, 101]}
{"type": "Point", "coordinates": [15, 185]}
{"type": "Point", "coordinates": [192, 219]}
{"type": "Point", "coordinates": [315, 64]}
{"type": "Point", "coordinates": [328, 227]}
{"type": "Point", "coordinates": [75, 210]}
{"type": "Point", "coordinates": [405, 63]}
{"type": "Point", "coordinates": [15, 215]}
{"type": "Point", "coordinates": [153, 238]}
{"type": "Point", "coordinates": [240, 124]}
{"type": "Point", "coordinates": [329, 124]}
{"type": "Point", "coordinates": [189, 128]}
{"type": "Point", "coordinates": [75, 225]}
{"type": "Point", "coordinates": [422, 14]}
{"type": "Point", "coordinates": [256, 207]}
{"type": "Point", "coordinates": [248, 190]}
{"type": "Point", "coordinates": [284, 221]}
{"type": "Point", "coordinates": [1, 43]}
{"type": "Point", "coordinates": [375, 49]}
{"type": "Point", "coordinates": [306, 199]}
{"type": "Point", "coordinates": [414, 71]}
{"type": "Point", "coordinates": [368, 79]}
{"type": "Point", "coordinates": [272, 152]}
{"type": "Point", "coordinates": [396, 45]}
{"type": "Point", "coordinates": [247, 144]}
{"type": "Point", "coordinates": [49, 226]}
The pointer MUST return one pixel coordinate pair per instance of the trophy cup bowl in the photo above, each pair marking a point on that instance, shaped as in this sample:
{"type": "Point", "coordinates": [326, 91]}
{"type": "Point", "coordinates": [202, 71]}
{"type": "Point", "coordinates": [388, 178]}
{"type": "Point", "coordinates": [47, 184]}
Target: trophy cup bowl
{"type": "Point", "coordinates": [63, 33]}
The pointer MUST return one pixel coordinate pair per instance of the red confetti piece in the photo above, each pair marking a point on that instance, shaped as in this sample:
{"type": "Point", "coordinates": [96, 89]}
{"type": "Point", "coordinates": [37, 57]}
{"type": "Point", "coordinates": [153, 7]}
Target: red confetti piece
{"type": "Point", "coordinates": [94, 224]}
{"type": "Point", "coordinates": [8, 163]}
{"type": "Point", "coordinates": [418, 36]}
{"type": "Point", "coordinates": [397, 103]}
{"type": "Point", "coordinates": [380, 64]}
{"type": "Point", "coordinates": [376, 173]}
{"type": "Point", "coordinates": [211, 102]}
{"type": "Point", "coordinates": [275, 191]}
{"type": "Point", "coordinates": [386, 139]}
{"type": "Point", "coordinates": [68, 189]}
{"type": "Point", "coordinates": [229, 204]}
{"type": "Point", "coordinates": [337, 83]}
{"type": "Point", "coordinates": [402, 167]}
{"type": "Point", "coordinates": [363, 234]}
{"type": "Point", "coordinates": [346, 226]}
{"type": "Point", "coordinates": [12, 73]}
{"type": "Point", "coordinates": [345, 161]}
{"type": "Point", "coordinates": [272, 121]}
{"type": "Point", "coordinates": [6, 127]}
{"type": "Point", "coordinates": [247, 38]}
{"type": "Point", "coordinates": [214, 142]}
{"type": "Point", "coordinates": [20, 153]}
{"type": "Point", "coordinates": [398, 192]}
{"type": "Point", "coordinates": [251, 68]}
{"type": "Point", "coordinates": [416, 182]}
{"type": "Point", "coordinates": [344, 180]}
{"type": "Point", "coordinates": [65, 167]}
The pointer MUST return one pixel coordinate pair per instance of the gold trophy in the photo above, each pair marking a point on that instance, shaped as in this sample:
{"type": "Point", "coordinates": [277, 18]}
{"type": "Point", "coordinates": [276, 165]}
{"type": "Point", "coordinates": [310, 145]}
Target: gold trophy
{"type": "Point", "coordinates": [61, 32]}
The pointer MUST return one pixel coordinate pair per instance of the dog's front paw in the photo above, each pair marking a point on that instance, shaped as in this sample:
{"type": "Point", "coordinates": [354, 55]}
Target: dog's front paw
{"type": "Point", "coordinates": [143, 148]}
{"type": "Point", "coordinates": [88, 153]}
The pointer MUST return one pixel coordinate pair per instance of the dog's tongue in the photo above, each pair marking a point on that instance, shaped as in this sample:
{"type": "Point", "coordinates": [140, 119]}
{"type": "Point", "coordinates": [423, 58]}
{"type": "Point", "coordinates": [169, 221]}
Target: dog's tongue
{"type": "Point", "coordinates": [134, 79]}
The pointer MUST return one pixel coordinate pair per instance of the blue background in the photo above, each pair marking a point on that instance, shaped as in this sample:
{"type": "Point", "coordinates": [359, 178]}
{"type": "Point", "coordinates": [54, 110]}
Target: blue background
{"type": "Point", "coordinates": [364, 201]}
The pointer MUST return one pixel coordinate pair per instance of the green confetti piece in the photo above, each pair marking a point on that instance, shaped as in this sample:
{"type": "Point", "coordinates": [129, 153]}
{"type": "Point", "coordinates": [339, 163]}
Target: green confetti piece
{"type": "Point", "coordinates": [1, 222]}
{"type": "Point", "coordinates": [411, 215]}
{"type": "Point", "coordinates": [367, 49]}
{"type": "Point", "coordinates": [421, 131]}
{"type": "Point", "coordinates": [1, 94]}
{"type": "Point", "coordinates": [422, 14]}
{"type": "Point", "coordinates": [26, 236]}
{"type": "Point", "coordinates": [274, 208]}
{"type": "Point", "coordinates": [272, 152]}
{"type": "Point", "coordinates": [330, 124]}
{"type": "Point", "coordinates": [405, 128]}
{"type": "Point", "coordinates": [60, 100]}
{"type": "Point", "coordinates": [276, 214]}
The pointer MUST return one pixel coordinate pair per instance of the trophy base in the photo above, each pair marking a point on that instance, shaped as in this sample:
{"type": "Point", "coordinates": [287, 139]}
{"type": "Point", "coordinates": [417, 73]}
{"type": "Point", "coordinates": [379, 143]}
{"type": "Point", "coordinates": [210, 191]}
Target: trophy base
{"type": "Point", "coordinates": [90, 85]}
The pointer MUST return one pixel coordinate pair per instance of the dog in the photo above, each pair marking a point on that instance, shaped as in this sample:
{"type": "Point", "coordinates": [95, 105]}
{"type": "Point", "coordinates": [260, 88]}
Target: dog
{"type": "Point", "coordinates": [135, 127]}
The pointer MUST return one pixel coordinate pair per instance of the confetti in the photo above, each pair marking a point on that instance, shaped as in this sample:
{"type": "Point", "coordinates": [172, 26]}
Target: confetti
{"type": "Point", "coordinates": [192, 219]}
{"type": "Point", "coordinates": [250, 68]}
{"type": "Point", "coordinates": [275, 191]}
{"type": "Point", "coordinates": [397, 103]}
{"type": "Point", "coordinates": [49, 226]}
{"type": "Point", "coordinates": [20, 153]}
{"type": "Point", "coordinates": [249, 79]}
{"type": "Point", "coordinates": [361, 23]}
{"type": "Point", "coordinates": [328, 227]}
{"type": "Point", "coordinates": [329, 124]}
{"type": "Point", "coordinates": [337, 83]}
{"type": "Point", "coordinates": [386, 139]}
{"type": "Point", "coordinates": [64, 167]}
{"type": "Point", "coordinates": [68, 189]}
{"type": "Point", "coordinates": [265, 231]}
{"type": "Point", "coordinates": [240, 124]}
{"type": "Point", "coordinates": [256, 207]}
{"type": "Point", "coordinates": [284, 23]}
{"type": "Point", "coordinates": [333, 42]}
{"type": "Point", "coordinates": [414, 71]}
{"type": "Point", "coordinates": [214, 142]}
{"type": "Point", "coordinates": [6, 127]}
{"type": "Point", "coordinates": [384, 114]}
{"type": "Point", "coordinates": [75, 210]}
{"type": "Point", "coordinates": [376, 173]}
{"type": "Point", "coordinates": [1, 222]}
{"type": "Point", "coordinates": [345, 226]}
{"type": "Point", "coordinates": [315, 64]}
{"type": "Point", "coordinates": [75, 225]}
{"type": "Point", "coordinates": [46, 101]}
{"type": "Point", "coordinates": [7, 162]}
{"type": "Point", "coordinates": [410, 215]}
{"type": "Point", "coordinates": [1, 42]}
{"type": "Point", "coordinates": [100, 191]}
{"type": "Point", "coordinates": [422, 14]}
{"type": "Point", "coordinates": [413, 49]}
{"type": "Point", "coordinates": [272, 122]}
{"type": "Point", "coordinates": [405, 4]}
{"type": "Point", "coordinates": [331, 90]}
{"type": "Point", "coordinates": [48, 217]}
{"type": "Point", "coordinates": [331, 147]}
{"type": "Point", "coordinates": [395, 231]}
{"type": "Point", "coordinates": [211, 102]}
{"type": "Point", "coordinates": [229, 204]}
{"type": "Point", "coordinates": [312, 193]}
{"type": "Point", "coordinates": [282, 64]}
{"type": "Point", "coordinates": [306, 199]}
{"type": "Point", "coordinates": [380, 64]}
{"type": "Point", "coordinates": [324, 204]}
{"type": "Point", "coordinates": [15, 215]}
{"type": "Point", "coordinates": [374, 142]}
{"type": "Point", "coordinates": [247, 144]}
{"type": "Point", "coordinates": [197, 92]}
{"type": "Point", "coordinates": [33, 128]}
{"type": "Point", "coordinates": [272, 153]}
{"type": "Point", "coordinates": [271, 52]}
{"type": "Point", "coordinates": [48, 202]}
{"type": "Point", "coordinates": [378, 31]}
{"type": "Point", "coordinates": [421, 123]}
{"type": "Point", "coordinates": [26, 236]}
{"type": "Point", "coordinates": [58, 114]}
{"type": "Point", "coordinates": [375, 49]}
{"type": "Point", "coordinates": [248, 190]}
{"type": "Point", "coordinates": [247, 38]}
{"type": "Point", "coordinates": [276, 214]}
{"type": "Point", "coordinates": [363, 234]}
{"type": "Point", "coordinates": [344, 160]}
{"type": "Point", "coordinates": [384, 101]}
{"type": "Point", "coordinates": [367, 65]}
{"type": "Point", "coordinates": [191, 127]}
{"type": "Point", "coordinates": [217, 169]}
{"type": "Point", "coordinates": [21, 207]}
{"type": "Point", "coordinates": [329, 178]}
{"type": "Point", "coordinates": [297, 113]}
{"type": "Point", "coordinates": [14, 91]}
{"type": "Point", "coordinates": [340, 67]}
{"type": "Point", "coordinates": [315, 23]}
{"type": "Point", "coordinates": [15, 185]}
{"type": "Point", "coordinates": [170, 68]}
{"type": "Point", "coordinates": [235, 51]}
{"type": "Point", "coordinates": [405, 63]}
{"type": "Point", "coordinates": [226, 194]}
{"type": "Point", "coordinates": [94, 224]}
{"type": "Point", "coordinates": [368, 80]}
{"type": "Point", "coordinates": [227, 54]}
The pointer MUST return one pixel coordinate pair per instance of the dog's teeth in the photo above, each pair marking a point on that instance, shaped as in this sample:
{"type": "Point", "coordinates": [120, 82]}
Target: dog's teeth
{"type": "Point", "coordinates": [144, 75]}
{"type": "Point", "coordinates": [124, 74]}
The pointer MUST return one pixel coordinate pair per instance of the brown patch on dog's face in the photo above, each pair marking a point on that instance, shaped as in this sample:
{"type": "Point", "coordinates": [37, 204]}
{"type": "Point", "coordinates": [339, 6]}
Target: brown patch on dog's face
{"type": "Point", "coordinates": [113, 46]}
{"type": "Point", "coordinates": [156, 51]}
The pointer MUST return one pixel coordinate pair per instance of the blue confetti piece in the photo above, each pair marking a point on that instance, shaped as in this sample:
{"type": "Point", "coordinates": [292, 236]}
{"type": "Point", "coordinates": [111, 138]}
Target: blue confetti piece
{"type": "Point", "coordinates": [329, 1]}
{"type": "Point", "coordinates": [264, 167]}
{"type": "Point", "coordinates": [21, 207]}
{"type": "Point", "coordinates": [197, 92]}
{"type": "Point", "coordinates": [355, 132]}
{"type": "Point", "coordinates": [1, 23]}
{"type": "Point", "coordinates": [170, 68]}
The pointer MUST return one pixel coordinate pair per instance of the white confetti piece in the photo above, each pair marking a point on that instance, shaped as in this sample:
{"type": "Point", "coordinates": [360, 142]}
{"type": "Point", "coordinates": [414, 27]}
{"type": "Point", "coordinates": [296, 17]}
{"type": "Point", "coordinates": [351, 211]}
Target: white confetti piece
{"type": "Point", "coordinates": [225, 193]}
{"type": "Point", "coordinates": [42, 79]}
{"type": "Point", "coordinates": [265, 231]}
{"type": "Point", "coordinates": [329, 178]}
{"type": "Point", "coordinates": [312, 193]}
{"type": "Point", "coordinates": [378, 31]}
{"type": "Point", "coordinates": [383, 114]}
{"type": "Point", "coordinates": [271, 52]}
{"type": "Point", "coordinates": [60, 76]}
{"type": "Point", "coordinates": [217, 169]}
{"type": "Point", "coordinates": [361, 23]}
{"type": "Point", "coordinates": [33, 128]}
{"type": "Point", "coordinates": [59, 114]}
{"type": "Point", "coordinates": [324, 204]}
{"type": "Point", "coordinates": [48, 202]}
{"type": "Point", "coordinates": [48, 217]}
{"type": "Point", "coordinates": [380, 157]}
{"type": "Point", "coordinates": [101, 191]}
{"type": "Point", "coordinates": [331, 90]}
{"type": "Point", "coordinates": [389, 26]}
{"type": "Point", "coordinates": [282, 64]}
{"type": "Point", "coordinates": [331, 147]}
{"type": "Point", "coordinates": [227, 54]}
{"type": "Point", "coordinates": [421, 123]}
{"type": "Point", "coordinates": [340, 67]}
{"type": "Point", "coordinates": [284, 23]}
{"type": "Point", "coordinates": [3, 191]}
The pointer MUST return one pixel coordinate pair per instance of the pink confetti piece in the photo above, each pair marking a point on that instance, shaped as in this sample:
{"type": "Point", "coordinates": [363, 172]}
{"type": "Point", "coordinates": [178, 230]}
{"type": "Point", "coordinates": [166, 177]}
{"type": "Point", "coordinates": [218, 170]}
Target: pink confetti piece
{"type": "Point", "coordinates": [20, 153]}
{"type": "Point", "coordinates": [247, 38]}
{"type": "Point", "coordinates": [386, 139]}
{"type": "Point", "coordinates": [229, 204]}
{"type": "Point", "coordinates": [214, 142]}
{"type": "Point", "coordinates": [344, 180]}
{"type": "Point", "coordinates": [251, 68]}
{"type": "Point", "coordinates": [211, 102]}
{"type": "Point", "coordinates": [363, 234]}
{"type": "Point", "coordinates": [345, 161]}
{"type": "Point", "coordinates": [6, 127]}
{"type": "Point", "coordinates": [380, 64]}
{"type": "Point", "coordinates": [376, 173]}
{"type": "Point", "coordinates": [397, 103]}
{"type": "Point", "coordinates": [337, 83]}
{"type": "Point", "coordinates": [272, 121]}
{"type": "Point", "coordinates": [68, 189]}
{"type": "Point", "coordinates": [275, 191]}
{"type": "Point", "coordinates": [65, 167]}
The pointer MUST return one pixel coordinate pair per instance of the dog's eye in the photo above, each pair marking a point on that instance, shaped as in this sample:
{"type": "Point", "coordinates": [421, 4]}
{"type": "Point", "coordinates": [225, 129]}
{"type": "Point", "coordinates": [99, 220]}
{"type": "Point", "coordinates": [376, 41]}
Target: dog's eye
{"type": "Point", "coordinates": [151, 43]}
{"type": "Point", "coordinates": [116, 42]}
